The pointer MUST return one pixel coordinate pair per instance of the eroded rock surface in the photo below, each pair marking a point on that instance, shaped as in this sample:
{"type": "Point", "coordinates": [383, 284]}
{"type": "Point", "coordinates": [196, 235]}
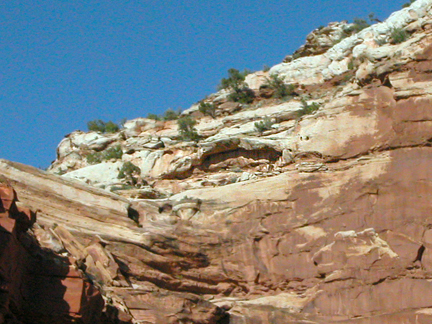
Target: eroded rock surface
{"type": "Point", "coordinates": [321, 217]}
{"type": "Point", "coordinates": [36, 285]}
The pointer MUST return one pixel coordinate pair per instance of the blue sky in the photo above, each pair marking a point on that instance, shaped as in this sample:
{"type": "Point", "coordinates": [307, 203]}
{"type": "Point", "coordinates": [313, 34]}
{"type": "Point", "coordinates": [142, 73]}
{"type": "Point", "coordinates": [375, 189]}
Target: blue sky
{"type": "Point", "coordinates": [64, 63]}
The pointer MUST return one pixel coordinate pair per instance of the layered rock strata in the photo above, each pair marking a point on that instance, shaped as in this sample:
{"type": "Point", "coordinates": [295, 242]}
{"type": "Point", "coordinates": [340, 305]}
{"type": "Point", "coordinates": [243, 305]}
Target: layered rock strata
{"type": "Point", "coordinates": [112, 255]}
{"type": "Point", "coordinates": [36, 285]}
{"type": "Point", "coordinates": [321, 218]}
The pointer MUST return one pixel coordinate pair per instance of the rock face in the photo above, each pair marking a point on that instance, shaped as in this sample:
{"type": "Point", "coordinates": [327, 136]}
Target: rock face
{"type": "Point", "coordinates": [320, 217]}
{"type": "Point", "coordinates": [322, 39]}
{"type": "Point", "coordinates": [111, 253]}
{"type": "Point", "coordinates": [37, 286]}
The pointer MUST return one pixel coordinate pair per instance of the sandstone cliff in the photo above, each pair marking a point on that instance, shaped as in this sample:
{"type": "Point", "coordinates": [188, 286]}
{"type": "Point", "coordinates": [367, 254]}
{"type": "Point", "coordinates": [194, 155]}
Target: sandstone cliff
{"type": "Point", "coordinates": [318, 218]}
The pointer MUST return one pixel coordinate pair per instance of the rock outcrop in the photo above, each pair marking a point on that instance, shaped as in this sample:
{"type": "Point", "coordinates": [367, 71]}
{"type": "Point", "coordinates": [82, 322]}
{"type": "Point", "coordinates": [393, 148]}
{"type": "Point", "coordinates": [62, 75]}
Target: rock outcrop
{"type": "Point", "coordinates": [135, 268]}
{"type": "Point", "coordinates": [321, 216]}
{"type": "Point", "coordinates": [36, 285]}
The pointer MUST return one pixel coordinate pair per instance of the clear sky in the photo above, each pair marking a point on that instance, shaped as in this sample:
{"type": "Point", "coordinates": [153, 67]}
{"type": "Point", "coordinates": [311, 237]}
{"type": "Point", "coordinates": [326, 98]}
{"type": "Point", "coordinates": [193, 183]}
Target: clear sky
{"type": "Point", "coordinates": [64, 63]}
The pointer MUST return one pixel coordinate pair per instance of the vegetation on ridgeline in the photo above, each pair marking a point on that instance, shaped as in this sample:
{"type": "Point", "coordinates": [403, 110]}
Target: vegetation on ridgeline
{"type": "Point", "coordinates": [235, 79]}
{"type": "Point", "coordinates": [169, 114]}
{"type": "Point", "coordinates": [240, 92]}
{"type": "Point", "coordinates": [102, 127]}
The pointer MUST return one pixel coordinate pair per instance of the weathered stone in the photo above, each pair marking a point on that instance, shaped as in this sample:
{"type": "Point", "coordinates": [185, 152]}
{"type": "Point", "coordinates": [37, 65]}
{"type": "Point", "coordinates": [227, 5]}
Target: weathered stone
{"type": "Point", "coordinates": [229, 107]}
{"type": "Point", "coordinates": [324, 218]}
{"type": "Point", "coordinates": [35, 284]}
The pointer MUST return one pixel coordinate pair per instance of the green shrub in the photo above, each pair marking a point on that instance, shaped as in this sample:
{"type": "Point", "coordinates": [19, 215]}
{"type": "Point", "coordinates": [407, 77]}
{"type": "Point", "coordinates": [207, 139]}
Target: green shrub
{"type": "Point", "coordinates": [351, 64]}
{"type": "Point", "coordinates": [243, 95]}
{"type": "Point", "coordinates": [263, 125]}
{"type": "Point", "coordinates": [207, 108]}
{"type": "Point", "coordinates": [398, 35]}
{"type": "Point", "coordinates": [94, 158]}
{"type": "Point", "coordinates": [235, 82]}
{"type": "Point", "coordinates": [187, 128]}
{"type": "Point", "coordinates": [96, 126]}
{"type": "Point", "coordinates": [130, 172]}
{"type": "Point", "coordinates": [307, 109]}
{"type": "Point", "coordinates": [358, 25]}
{"type": "Point", "coordinates": [153, 116]}
{"type": "Point", "coordinates": [266, 68]}
{"type": "Point", "coordinates": [100, 126]}
{"type": "Point", "coordinates": [281, 89]}
{"type": "Point", "coordinates": [111, 127]}
{"type": "Point", "coordinates": [128, 169]}
{"type": "Point", "coordinates": [114, 152]}
{"type": "Point", "coordinates": [235, 79]}
{"type": "Point", "coordinates": [170, 114]}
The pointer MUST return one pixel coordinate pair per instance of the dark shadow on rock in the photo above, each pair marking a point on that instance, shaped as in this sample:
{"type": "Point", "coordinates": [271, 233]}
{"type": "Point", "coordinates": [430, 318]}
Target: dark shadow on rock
{"type": "Point", "coordinates": [36, 285]}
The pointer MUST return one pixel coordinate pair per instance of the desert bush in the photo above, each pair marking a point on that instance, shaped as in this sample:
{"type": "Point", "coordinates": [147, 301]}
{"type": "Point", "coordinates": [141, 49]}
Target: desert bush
{"type": "Point", "coordinates": [398, 35]}
{"type": "Point", "coordinates": [170, 114]}
{"type": "Point", "coordinates": [129, 172]}
{"type": "Point", "coordinates": [187, 128]}
{"type": "Point", "coordinates": [235, 79]}
{"type": "Point", "coordinates": [111, 127]}
{"type": "Point", "coordinates": [263, 125]}
{"type": "Point", "coordinates": [100, 126]}
{"type": "Point", "coordinates": [281, 89]}
{"type": "Point", "coordinates": [307, 109]}
{"type": "Point", "coordinates": [243, 95]}
{"type": "Point", "coordinates": [128, 169]}
{"type": "Point", "coordinates": [96, 125]}
{"type": "Point", "coordinates": [153, 116]}
{"type": "Point", "coordinates": [94, 158]}
{"type": "Point", "coordinates": [351, 64]}
{"type": "Point", "coordinates": [114, 152]}
{"type": "Point", "coordinates": [235, 82]}
{"type": "Point", "coordinates": [207, 108]}
{"type": "Point", "coordinates": [358, 25]}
